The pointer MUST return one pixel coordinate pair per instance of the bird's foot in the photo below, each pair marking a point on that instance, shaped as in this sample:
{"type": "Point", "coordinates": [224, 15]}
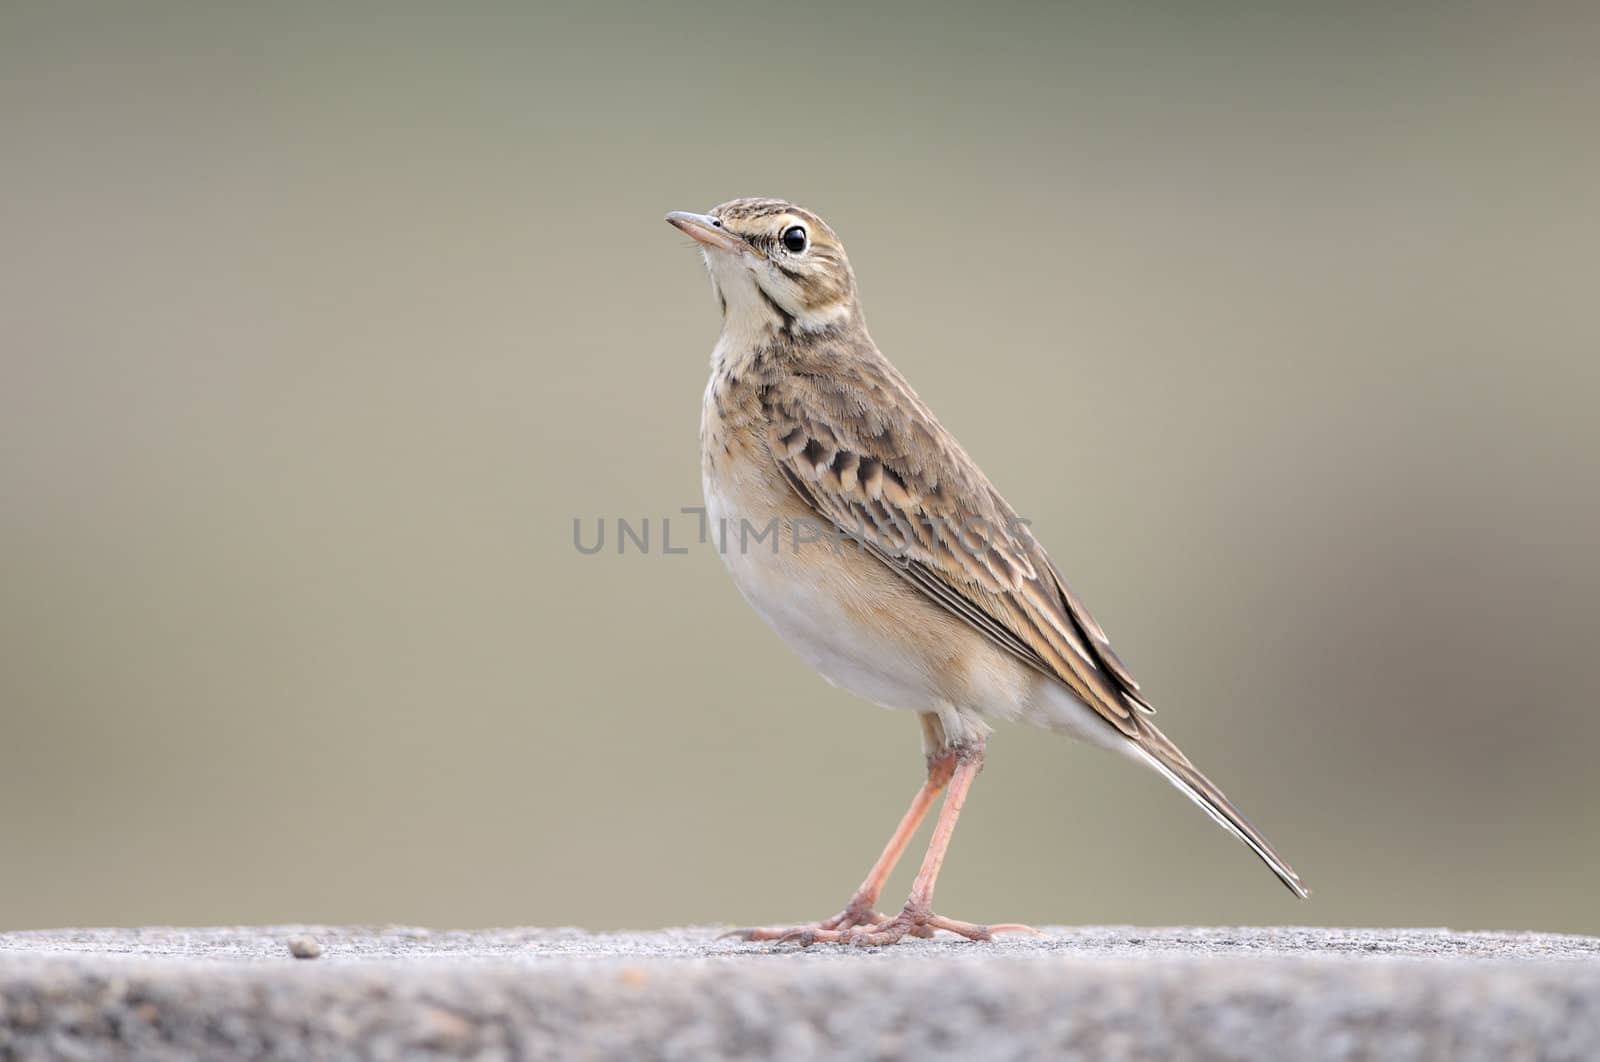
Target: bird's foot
{"type": "Point", "coordinates": [872, 929]}
{"type": "Point", "coordinates": [856, 914]}
{"type": "Point", "coordinates": [907, 924]}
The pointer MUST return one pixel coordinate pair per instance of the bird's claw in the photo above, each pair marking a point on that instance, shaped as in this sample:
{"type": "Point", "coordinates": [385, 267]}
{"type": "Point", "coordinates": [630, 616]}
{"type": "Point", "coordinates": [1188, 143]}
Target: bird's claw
{"type": "Point", "coordinates": [872, 929]}
{"type": "Point", "coordinates": [806, 935]}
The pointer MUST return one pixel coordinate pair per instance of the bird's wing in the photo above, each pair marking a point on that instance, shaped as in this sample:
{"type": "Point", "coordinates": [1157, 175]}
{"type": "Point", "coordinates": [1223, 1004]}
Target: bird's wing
{"type": "Point", "coordinates": [863, 451]}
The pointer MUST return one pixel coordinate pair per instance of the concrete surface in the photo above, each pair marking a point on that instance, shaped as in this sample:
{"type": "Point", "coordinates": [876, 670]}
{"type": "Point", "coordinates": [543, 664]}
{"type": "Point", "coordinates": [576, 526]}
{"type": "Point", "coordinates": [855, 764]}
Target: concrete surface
{"type": "Point", "coordinates": [1083, 993]}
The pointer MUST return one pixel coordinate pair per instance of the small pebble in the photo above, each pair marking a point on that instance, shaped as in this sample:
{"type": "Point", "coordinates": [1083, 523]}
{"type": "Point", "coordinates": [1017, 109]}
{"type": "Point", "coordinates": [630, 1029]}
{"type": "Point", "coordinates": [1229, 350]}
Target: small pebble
{"type": "Point", "coordinates": [305, 947]}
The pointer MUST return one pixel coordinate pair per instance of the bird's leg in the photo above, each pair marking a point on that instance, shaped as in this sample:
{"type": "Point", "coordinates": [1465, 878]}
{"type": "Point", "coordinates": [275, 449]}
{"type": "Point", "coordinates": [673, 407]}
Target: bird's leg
{"type": "Point", "coordinates": [859, 911]}
{"type": "Point", "coordinates": [917, 917]}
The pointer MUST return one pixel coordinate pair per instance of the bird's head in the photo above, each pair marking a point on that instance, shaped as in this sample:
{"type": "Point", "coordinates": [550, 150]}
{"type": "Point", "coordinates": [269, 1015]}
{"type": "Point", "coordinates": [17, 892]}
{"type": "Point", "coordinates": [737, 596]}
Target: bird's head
{"type": "Point", "coordinates": [774, 265]}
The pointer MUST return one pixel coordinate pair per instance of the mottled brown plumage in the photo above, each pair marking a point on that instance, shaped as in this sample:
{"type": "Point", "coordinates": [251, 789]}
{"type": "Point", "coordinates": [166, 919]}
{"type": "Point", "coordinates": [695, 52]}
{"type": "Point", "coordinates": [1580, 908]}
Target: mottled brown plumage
{"type": "Point", "coordinates": [941, 601]}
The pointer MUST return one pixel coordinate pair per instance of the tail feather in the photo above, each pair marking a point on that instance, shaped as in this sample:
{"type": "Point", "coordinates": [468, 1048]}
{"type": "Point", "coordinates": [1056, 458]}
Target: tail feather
{"type": "Point", "coordinates": [1175, 767]}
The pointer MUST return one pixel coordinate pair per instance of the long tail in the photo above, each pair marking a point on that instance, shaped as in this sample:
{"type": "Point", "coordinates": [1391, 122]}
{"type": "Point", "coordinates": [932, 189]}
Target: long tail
{"type": "Point", "coordinates": [1175, 767]}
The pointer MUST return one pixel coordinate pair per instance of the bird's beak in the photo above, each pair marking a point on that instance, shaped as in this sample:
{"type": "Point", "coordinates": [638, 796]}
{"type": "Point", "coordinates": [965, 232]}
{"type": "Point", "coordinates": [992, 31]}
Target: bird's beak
{"type": "Point", "coordinates": [707, 230]}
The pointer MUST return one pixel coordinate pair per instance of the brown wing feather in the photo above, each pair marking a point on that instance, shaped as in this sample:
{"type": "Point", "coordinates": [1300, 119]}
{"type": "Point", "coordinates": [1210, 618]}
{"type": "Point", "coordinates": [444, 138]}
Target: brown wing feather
{"type": "Point", "coordinates": [863, 451]}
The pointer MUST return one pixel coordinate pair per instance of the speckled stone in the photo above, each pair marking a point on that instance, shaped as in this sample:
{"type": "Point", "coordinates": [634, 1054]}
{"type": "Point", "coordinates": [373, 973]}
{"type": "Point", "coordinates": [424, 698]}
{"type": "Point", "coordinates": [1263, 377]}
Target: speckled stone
{"type": "Point", "coordinates": [1082, 993]}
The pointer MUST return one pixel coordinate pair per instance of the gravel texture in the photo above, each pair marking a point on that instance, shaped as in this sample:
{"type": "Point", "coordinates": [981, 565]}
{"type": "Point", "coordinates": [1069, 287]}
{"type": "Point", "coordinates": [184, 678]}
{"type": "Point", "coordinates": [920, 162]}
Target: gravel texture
{"type": "Point", "coordinates": [1083, 993]}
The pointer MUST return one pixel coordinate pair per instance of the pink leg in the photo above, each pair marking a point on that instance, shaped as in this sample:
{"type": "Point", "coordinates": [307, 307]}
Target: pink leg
{"type": "Point", "coordinates": [859, 911]}
{"type": "Point", "coordinates": [939, 773]}
{"type": "Point", "coordinates": [917, 917]}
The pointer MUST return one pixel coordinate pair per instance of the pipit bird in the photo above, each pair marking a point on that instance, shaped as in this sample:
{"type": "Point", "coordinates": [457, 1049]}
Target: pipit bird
{"type": "Point", "coordinates": [933, 596]}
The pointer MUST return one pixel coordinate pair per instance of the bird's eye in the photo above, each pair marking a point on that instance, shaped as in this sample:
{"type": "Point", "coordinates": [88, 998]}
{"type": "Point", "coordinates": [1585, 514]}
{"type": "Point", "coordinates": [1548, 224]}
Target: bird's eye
{"type": "Point", "coordinates": [794, 238]}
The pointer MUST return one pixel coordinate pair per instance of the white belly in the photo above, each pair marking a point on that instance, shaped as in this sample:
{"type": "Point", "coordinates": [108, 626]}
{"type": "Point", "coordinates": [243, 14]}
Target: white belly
{"type": "Point", "coordinates": [816, 601]}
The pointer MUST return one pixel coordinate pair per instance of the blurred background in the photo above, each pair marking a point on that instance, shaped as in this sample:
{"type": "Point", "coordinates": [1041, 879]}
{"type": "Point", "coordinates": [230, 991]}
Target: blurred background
{"type": "Point", "coordinates": [320, 326]}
